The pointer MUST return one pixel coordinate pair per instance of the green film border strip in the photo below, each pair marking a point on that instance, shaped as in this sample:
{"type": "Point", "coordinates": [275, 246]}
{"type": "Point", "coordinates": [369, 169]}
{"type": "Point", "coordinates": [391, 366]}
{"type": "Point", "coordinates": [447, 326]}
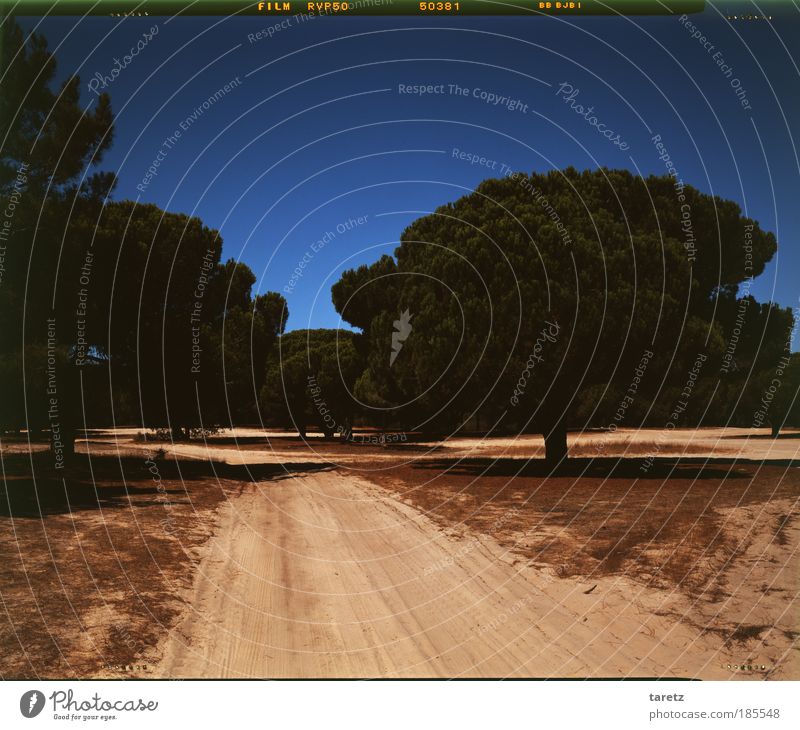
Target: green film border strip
{"type": "Point", "coordinates": [573, 8]}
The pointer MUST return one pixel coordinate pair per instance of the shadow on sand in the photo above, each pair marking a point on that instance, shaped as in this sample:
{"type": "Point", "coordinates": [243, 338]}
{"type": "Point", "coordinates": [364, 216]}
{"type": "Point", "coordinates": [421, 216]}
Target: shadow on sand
{"type": "Point", "coordinates": [766, 436]}
{"type": "Point", "coordinates": [601, 468]}
{"type": "Point", "coordinates": [33, 488]}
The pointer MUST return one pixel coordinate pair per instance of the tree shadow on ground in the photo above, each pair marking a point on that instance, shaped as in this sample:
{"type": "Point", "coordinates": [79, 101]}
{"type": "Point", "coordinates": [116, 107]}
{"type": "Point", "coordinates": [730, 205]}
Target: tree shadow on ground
{"type": "Point", "coordinates": [766, 436]}
{"type": "Point", "coordinates": [208, 440]}
{"type": "Point", "coordinates": [599, 468]}
{"type": "Point", "coordinates": [32, 488]}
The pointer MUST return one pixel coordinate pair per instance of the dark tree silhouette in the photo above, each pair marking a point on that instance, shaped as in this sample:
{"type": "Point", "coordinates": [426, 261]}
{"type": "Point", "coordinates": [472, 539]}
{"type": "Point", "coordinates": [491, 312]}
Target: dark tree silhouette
{"type": "Point", "coordinates": [113, 311]}
{"type": "Point", "coordinates": [534, 299]}
{"type": "Point", "coordinates": [49, 146]}
{"type": "Point", "coordinates": [310, 377]}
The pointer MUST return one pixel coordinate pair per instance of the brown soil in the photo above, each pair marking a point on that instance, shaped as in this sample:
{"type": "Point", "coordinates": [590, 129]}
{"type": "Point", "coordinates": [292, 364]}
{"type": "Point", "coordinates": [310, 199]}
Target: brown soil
{"type": "Point", "coordinates": [95, 559]}
{"type": "Point", "coordinates": [605, 516]}
{"type": "Point", "coordinates": [687, 568]}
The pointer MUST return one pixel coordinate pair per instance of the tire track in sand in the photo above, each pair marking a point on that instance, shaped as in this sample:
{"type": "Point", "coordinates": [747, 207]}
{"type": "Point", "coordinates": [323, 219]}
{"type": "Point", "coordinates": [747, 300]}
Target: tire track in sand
{"type": "Point", "coordinates": [328, 575]}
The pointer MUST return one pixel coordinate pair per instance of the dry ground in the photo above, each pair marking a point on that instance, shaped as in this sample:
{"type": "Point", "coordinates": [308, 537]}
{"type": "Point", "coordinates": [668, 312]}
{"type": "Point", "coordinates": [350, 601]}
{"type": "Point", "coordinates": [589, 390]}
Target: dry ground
{"type": "Point", "coordinates": [248, 557]}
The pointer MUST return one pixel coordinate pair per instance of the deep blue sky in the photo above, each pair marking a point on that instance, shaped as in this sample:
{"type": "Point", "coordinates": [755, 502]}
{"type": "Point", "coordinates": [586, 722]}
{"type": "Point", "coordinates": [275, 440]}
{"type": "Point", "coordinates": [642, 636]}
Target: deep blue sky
{"type": "Point", "coordinates": [322, 135]}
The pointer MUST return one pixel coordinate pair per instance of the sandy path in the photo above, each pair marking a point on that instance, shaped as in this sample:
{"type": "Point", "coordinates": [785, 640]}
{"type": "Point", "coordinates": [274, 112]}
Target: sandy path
{"type": "Point", "coordinates": [725, 443]}
{"type": "Point", "coordinates": [326, 575]}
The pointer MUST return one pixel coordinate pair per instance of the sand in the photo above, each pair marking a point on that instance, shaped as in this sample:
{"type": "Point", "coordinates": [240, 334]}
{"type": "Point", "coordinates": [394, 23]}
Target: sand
{"type": "Point", "coordinates": [327, 575]}
{"type": "Point", "coordinates": [462, 559]}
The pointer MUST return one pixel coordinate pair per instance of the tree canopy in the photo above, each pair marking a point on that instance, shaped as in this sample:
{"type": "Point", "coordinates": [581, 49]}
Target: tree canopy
{"type": "Point", "coordinates": [310, 377]}
{"type": "Point", "coordinates": [535, 300]}
{"type": "Point", "coordinates": [119, 311]}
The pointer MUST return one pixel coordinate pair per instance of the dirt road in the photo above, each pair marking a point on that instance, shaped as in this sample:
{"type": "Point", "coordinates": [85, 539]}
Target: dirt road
{"type": "Point", "coordinates": [328, 575]}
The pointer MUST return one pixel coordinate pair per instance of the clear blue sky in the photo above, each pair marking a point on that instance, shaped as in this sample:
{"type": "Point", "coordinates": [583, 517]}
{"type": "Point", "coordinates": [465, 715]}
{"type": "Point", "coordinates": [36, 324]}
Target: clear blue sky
{"type": "Point", "coordinates": [316, 132]}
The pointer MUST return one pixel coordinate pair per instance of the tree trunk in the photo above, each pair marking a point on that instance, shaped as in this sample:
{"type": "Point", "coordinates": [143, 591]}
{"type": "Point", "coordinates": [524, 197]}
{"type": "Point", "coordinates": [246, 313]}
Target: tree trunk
{"type": "Point", "coordinates": [555, 445]}
{"type": "Point", "coordinates": [69, 446]}
{"type": "Point", "coordinates": [180, 434]}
